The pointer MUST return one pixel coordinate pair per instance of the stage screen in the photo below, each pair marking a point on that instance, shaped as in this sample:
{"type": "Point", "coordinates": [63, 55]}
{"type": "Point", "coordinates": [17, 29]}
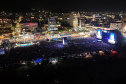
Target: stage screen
{"type": "Point", "coordinates": [99, 35]}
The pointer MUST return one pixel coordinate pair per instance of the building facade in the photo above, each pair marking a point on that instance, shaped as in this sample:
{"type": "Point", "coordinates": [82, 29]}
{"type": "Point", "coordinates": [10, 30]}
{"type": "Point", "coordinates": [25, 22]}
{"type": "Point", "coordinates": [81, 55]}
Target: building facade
{"type": "Point", "coordinates": [5, 23]}
{"type": "Point", "coordinates": [74, 20]}
{"type": "Point", "coordinates": [77, 21]}
{"type": "Point", "coordinates": [29, 26]}
{"type": "Point", "coordinates": [66, 17]}
{"type": "Point", "coordinates": [51, 24]}
{"type": "Point", "coordinates": [82, 22]}
{"type": "Point", "coordinates": [5, 27]}
{"type": "Point", "coordinates": [116, 25]}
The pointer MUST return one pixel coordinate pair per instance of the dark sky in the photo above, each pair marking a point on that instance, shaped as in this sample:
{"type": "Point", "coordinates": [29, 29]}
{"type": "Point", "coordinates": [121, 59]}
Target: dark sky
{"type": "Point", "coordinates": [78, 5]}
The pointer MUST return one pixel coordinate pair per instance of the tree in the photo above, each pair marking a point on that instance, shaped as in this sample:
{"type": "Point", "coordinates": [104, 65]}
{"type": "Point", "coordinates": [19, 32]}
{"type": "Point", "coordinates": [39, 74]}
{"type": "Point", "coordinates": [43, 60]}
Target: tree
{"type": "Point", "coordinates": [60, 30]}
{"type": "Point", "coordinates": [11, 35]}
{"type": "Point", "coordinates": [65, 24]}
{"type": "Point", "coordinates": [67, 29]}
{"type": "Point", "coordinates": [12, 28]}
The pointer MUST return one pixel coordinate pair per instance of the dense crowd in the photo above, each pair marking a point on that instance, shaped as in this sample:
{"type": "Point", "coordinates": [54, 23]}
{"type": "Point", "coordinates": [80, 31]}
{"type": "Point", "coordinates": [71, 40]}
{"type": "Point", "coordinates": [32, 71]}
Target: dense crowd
{"type": "Point", "coordinates": [56, 49]}
{"type": "Point", "coordinates": [84, 59]}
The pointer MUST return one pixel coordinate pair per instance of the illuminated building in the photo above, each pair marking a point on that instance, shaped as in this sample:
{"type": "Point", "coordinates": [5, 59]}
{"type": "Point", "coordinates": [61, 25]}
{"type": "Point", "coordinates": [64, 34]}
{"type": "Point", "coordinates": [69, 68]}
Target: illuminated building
{"type": "Point", "coordinates": [77, 21]}
{"type": "Point", "coordinates": [82, 22]}
{"type": "Point", "coordinates": [5, 27]}
{"type": "Point", "coordinates": [5, 23]}
{"type": "Point", "coordinates": [29, 26]}
{"type": "Point", "coordinates": [93, 17]}
{"type": "Point", "coordinates": [124, 26]}
{"type": "Point", "coordinates": [116, 25]}
{"type": "Point", "coordinates": [74, 20]}
{"type": "Point", "coordinates": [5, 31]}
{"type": "Point", "coordinates": [52, 24]}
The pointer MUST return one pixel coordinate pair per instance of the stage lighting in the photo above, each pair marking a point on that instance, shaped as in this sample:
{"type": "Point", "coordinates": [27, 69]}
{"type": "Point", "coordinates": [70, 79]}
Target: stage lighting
{"type": "Point", "coordinates": [112, 39]}
{"type": "Point", "coordinates": [99, 34]}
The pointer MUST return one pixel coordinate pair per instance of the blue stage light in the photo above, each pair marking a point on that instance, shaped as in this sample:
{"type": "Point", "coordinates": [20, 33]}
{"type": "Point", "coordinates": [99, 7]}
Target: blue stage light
{"type": "Point", "coordinates": [63, 41]}
{"type": "Point", "coordinates": [105, 31]}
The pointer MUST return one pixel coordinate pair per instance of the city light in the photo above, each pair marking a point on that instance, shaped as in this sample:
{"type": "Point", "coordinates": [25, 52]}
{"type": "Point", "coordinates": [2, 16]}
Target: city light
{"type": "Point", "coordinates": [62, 42]}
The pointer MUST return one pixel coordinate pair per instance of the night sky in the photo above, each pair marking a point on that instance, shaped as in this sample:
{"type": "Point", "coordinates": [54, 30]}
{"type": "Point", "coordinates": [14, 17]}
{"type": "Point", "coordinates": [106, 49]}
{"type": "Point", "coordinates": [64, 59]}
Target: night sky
{"type": "Point", "coordinates": [69, 5]}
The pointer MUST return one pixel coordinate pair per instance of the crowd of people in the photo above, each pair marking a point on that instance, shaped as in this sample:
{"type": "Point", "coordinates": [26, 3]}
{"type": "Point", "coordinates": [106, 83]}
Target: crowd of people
{"type": "Point", "coordinates": [56, 49]}
{"type": "Point", "coordinates": [77, 60]}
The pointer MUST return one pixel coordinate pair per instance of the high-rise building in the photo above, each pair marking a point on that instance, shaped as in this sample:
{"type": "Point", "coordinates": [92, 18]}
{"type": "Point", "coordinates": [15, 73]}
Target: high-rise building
{"type": "Point", "coordinates": [52, 24]}
{"type": "Point", "coordinates": [77, 21]}
{"type": "Point", "coordinates": [82, 23]}
{"type": "Point", "coordinates": [66, 17]}
{"type": "Point", "coordinates": [74, 20]}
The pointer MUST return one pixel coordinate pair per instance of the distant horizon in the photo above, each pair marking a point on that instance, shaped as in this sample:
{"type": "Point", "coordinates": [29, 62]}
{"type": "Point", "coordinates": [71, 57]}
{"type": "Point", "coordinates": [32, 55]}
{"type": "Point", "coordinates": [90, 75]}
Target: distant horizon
{"type": "Point", "coordinates": [68, 5]}
{"type": "Point", "coordinates": [58, 10]}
